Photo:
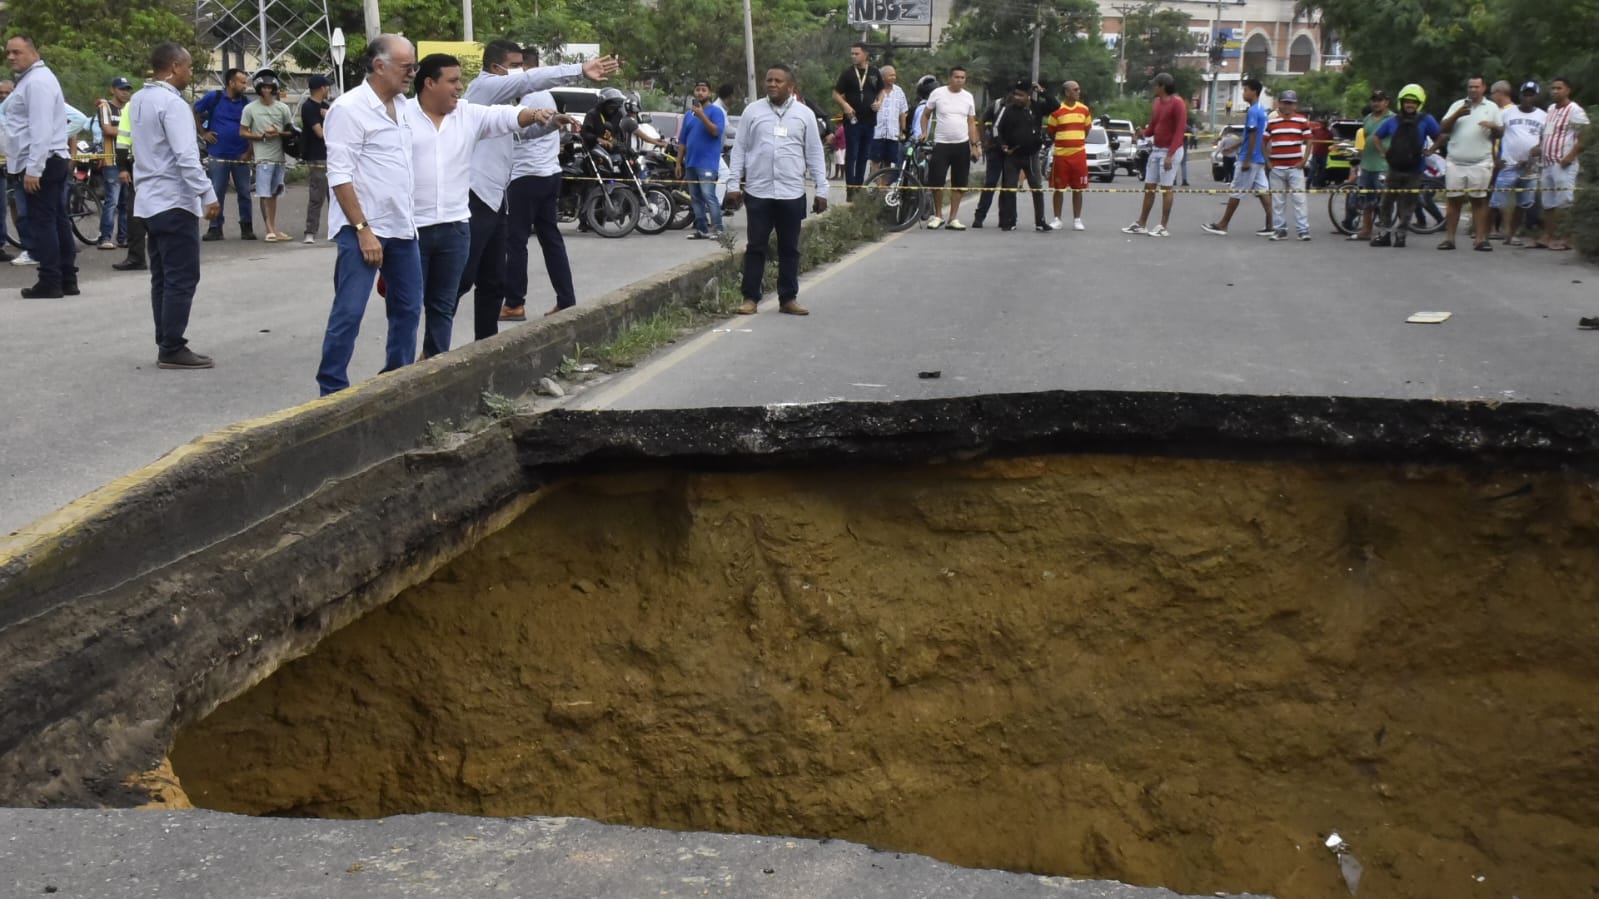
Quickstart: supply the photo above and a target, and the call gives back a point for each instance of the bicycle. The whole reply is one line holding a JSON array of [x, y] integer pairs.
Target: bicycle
[[83, 212], [902, 190], [1343, 207]]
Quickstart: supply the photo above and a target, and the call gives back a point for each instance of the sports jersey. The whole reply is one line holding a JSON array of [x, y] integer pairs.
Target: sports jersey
[[1069, 124]]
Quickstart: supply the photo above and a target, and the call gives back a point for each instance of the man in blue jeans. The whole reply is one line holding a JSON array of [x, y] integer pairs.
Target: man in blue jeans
[[217, 115], [700, 160], [368, 133], [856, 94]]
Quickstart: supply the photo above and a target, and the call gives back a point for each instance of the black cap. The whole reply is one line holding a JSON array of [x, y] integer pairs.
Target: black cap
[[1379, 94], [317, 81], [1022, 85]]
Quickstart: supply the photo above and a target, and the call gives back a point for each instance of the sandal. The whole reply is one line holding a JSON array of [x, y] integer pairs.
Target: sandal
[[1447, 245], [1484, 247], [1558, 246]]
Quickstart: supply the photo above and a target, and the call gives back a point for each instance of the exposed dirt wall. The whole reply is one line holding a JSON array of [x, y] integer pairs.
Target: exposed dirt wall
[[1161, 671]]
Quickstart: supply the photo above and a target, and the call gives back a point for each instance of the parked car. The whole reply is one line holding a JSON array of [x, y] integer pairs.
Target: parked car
[[1101, 161], [1126, 144], [1223, 156]]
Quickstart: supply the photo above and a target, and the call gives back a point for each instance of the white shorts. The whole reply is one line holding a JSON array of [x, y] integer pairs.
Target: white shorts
[[1463, 180], [1558, 184], [1248, 183], [268, 179], [1155, 172]]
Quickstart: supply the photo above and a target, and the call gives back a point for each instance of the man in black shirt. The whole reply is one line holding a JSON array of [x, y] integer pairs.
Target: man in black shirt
[[856, 94], [314, 151], [1019, 136]]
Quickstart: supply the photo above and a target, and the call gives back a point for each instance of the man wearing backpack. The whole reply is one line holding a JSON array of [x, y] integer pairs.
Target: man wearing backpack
[[217, 116], [1402, 141]]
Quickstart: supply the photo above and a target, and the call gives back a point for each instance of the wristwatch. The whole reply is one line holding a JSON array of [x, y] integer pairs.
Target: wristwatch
[[359, 227]]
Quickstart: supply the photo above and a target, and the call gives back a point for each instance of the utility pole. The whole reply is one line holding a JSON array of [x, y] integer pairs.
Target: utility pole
[[466, 20], [749, 52], [1121, 44], [1038, 35], [374, 22], [261, 23]]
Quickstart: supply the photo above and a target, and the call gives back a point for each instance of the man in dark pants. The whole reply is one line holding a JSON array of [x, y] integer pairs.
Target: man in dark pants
[[1019, 140], [856, 95], [993, 161], [174, 193], [36, 123], [778, 130], [534, 209], [314, 153], [502, 80], [134, 261]]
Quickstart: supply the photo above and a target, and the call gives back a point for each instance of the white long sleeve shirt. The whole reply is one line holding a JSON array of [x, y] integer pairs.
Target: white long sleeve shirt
[[167, 170], [36, 120], [537, 149], [442, 157], [491, 160], [372, 152], [776, 147]]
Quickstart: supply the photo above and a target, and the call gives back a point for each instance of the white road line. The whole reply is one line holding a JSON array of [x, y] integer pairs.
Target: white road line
[[609, 396]]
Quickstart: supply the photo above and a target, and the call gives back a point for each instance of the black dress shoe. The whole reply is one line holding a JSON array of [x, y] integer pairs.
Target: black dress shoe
[[1590, 322], [246, 234], [977, 223], [129, 265], [212, 234], [184, 358], [70, 290], [39, 292]]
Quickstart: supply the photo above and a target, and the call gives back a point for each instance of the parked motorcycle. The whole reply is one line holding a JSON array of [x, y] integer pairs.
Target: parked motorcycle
[[660, 165], [596, 190]]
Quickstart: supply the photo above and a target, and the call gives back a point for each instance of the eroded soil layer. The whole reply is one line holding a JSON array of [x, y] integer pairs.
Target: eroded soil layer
[[1167, 672]]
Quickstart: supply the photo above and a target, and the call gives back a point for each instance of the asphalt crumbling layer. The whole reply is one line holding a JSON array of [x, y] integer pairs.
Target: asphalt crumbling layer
[[1161, 671], [75, 854]]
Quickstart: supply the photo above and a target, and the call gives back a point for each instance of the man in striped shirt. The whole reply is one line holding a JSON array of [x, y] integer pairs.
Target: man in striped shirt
[[1069, 170], [1287, 151], [1560, 147]]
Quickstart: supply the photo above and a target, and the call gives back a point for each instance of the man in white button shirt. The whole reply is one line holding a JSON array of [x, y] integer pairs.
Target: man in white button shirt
[[174, 194], [368, 133], [444, 132], [777, 146], [503, 81], [533, 208]]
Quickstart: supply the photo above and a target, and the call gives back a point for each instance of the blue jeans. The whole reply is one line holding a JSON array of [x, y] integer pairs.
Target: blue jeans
[[113, 216], [20, 197], [243, 179], [702, 192], [174, 274], [443, 249], [857, 144], [352, 285]]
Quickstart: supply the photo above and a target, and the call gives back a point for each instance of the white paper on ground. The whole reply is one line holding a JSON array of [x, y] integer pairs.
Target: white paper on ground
[[1429, 318]]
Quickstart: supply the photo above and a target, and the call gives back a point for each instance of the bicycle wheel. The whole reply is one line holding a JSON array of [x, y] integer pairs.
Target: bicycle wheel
[[1429, 219], [83, 209], [1343, 207], [898, 195]]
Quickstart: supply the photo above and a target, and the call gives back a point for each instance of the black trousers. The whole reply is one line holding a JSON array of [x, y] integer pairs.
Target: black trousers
[[174, 274], [534, 209], [762, 217], [136, 229], [49, 229], [485, 268], [1398, 211], [993, 168], [1025, 165]]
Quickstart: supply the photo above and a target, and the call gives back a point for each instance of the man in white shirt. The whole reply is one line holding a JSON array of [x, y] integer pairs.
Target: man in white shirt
[[892, 111], [444, 132], [36, 120], [777, 146], [502, 80], [1516, 186], [1469, 129], [952, 114], [174, 194], [1559, 150], [372, 220]]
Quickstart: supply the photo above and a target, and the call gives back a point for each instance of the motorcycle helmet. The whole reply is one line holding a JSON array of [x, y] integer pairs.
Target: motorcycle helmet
[[1415, 92], [925, 86], [265, 78], [611, 100]]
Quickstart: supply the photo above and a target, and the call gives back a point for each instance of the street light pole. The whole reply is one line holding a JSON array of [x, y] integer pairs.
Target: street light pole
[[466, 20], [336, 48], [749, 52], [1121, 44], [374, 21]]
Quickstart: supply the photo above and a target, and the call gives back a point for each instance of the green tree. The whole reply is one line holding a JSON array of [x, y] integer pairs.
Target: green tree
[[1155, 38], [993, 39], [88, 42]]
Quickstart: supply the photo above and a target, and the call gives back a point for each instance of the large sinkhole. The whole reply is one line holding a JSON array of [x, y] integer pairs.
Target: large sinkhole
[[1175, 672]]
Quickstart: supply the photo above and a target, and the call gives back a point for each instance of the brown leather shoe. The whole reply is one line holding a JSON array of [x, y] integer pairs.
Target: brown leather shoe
[[792, 307], [513, 314], [746, 308]]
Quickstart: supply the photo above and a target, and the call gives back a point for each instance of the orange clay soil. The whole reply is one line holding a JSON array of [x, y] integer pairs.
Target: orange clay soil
[[1182, 673]]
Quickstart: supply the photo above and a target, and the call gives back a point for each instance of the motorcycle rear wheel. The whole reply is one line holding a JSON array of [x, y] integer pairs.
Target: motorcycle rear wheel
[[611, 214]]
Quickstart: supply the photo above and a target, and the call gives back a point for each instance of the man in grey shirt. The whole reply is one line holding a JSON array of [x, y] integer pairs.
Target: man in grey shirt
[[776, 147], [36, 119], [174, 194]]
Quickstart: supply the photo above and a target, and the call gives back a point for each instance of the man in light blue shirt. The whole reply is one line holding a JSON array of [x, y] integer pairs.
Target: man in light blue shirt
[[533, 209], [777, 146], [36, 131], [174, 194]]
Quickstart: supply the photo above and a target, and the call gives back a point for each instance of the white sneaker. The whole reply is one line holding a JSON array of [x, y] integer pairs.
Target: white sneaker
[[1077, 225], [1055, 225], [934, 223], [24, 259], [1159, 231], [1134, 228], [309, 238]]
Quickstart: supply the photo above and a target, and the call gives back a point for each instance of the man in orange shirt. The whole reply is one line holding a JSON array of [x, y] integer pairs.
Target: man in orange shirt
[[1069, 126]]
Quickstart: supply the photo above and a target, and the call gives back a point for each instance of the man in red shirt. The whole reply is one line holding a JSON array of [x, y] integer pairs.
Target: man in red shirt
[[1321, 141], [1168, 120]]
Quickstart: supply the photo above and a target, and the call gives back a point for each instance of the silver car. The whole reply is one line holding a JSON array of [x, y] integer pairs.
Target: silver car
[[1101, 161]]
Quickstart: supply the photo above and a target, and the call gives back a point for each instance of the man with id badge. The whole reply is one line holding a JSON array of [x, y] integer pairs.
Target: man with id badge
[[777, 147]]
